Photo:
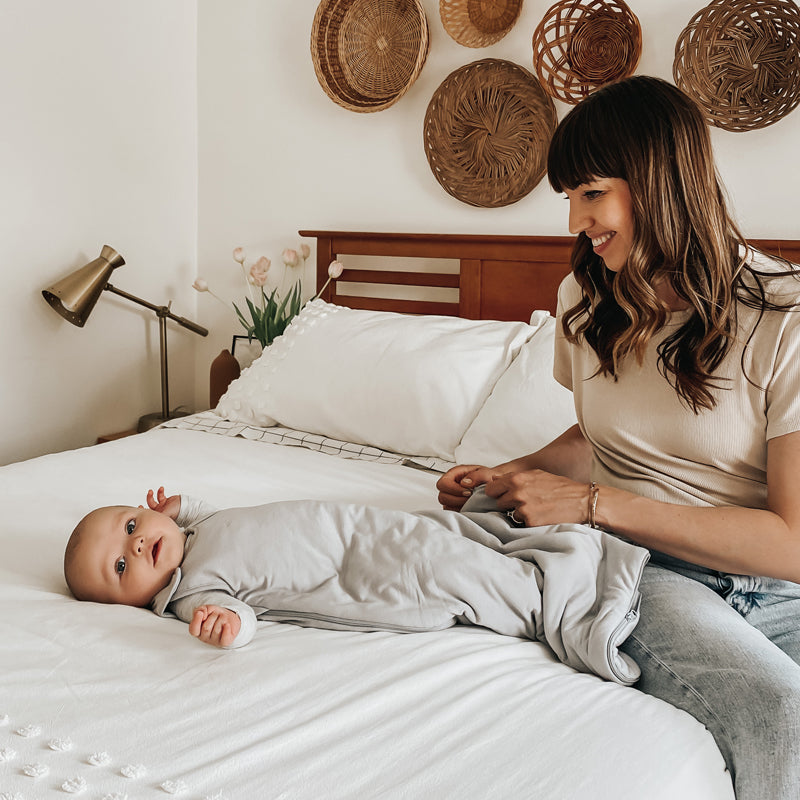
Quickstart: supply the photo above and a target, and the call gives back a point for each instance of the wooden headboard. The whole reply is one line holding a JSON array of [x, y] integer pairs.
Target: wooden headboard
[[498, 277], [494, 277]]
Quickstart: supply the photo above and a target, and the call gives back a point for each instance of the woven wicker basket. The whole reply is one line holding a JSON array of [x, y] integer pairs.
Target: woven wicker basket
[[740, 60], [486, 134], [478, 23], [368, 53], [582, 44]]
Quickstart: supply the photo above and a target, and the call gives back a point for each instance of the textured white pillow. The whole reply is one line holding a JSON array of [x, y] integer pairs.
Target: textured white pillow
[[527, 408], [411, 384]]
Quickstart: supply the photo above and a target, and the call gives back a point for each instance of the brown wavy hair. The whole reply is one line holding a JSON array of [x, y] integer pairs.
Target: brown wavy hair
[[647, 132]]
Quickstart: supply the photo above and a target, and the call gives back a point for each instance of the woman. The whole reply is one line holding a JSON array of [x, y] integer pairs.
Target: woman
[[682, 349]]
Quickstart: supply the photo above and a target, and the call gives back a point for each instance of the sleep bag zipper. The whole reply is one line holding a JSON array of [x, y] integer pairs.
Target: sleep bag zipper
[[625, 628], [346, 623]]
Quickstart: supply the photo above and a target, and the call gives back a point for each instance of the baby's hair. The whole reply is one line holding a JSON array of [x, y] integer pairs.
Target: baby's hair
[[71, 558]]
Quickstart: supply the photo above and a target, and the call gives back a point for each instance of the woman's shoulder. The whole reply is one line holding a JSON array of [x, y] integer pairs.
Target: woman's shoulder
[[569, 292], [779, 279]]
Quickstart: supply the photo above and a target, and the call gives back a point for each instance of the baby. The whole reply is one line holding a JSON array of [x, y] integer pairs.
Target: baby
[[347, 566]]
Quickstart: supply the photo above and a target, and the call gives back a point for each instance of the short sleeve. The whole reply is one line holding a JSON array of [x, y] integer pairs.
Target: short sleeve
[[783, 392], [568, 295]]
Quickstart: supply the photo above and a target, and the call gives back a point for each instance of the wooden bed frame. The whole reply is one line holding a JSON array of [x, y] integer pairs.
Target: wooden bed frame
[[499, 277]]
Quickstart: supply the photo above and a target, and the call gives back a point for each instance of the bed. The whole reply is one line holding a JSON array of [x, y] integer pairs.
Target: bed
[[365, 405]]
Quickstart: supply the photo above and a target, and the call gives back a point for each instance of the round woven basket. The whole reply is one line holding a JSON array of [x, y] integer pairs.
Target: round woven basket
[[367, 53], [581, 45], [478, 23], [486, 133], [740, 61]]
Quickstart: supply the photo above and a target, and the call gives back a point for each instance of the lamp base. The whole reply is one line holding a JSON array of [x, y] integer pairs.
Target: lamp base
[[153, 420]]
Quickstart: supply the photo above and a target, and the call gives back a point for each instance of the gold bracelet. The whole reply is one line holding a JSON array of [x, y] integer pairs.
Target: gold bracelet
[[594, 493]]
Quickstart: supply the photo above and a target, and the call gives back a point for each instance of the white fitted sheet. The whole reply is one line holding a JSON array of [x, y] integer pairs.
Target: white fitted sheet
[[114, 701]]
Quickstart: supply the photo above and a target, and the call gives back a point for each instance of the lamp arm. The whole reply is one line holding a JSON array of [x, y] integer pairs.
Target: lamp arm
[[161, 311]]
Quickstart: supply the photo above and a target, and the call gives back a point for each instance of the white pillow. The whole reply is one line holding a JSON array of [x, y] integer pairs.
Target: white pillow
[[410, 384], [527, 408]]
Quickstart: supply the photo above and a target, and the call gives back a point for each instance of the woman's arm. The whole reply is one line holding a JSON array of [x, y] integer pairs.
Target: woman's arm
[[569, 455], [729, 538]]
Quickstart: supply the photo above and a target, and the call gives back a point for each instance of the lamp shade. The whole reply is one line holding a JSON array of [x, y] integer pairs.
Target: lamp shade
[[75, 296]]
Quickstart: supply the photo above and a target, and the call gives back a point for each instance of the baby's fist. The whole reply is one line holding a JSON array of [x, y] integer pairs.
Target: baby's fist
[[215, 625]]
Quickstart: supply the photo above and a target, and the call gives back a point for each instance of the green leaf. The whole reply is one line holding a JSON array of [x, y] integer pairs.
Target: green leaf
[[245, 323], [282, 309], [296, 300], [255, 313]]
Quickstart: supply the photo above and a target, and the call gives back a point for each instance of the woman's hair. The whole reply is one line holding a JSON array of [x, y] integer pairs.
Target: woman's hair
[[650, 134]]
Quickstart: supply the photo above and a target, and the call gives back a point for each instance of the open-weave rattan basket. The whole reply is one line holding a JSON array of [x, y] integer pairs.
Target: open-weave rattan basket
[[486, 133], [368, 53], [740, 61], [582, 44], [478, 23]]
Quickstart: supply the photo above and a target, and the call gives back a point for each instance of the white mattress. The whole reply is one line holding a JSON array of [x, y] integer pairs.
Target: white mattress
[[114, 702]]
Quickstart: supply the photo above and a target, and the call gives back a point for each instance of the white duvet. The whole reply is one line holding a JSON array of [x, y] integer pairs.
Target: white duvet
[[114, 702]]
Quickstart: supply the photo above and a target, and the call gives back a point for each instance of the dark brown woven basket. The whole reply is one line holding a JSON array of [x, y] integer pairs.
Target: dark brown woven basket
[[740, 61], [486, 134], [478, 23], [368, 53], [581, 45]]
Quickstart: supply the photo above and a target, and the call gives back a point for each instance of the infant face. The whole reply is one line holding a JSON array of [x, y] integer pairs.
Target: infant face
[[127, 555]]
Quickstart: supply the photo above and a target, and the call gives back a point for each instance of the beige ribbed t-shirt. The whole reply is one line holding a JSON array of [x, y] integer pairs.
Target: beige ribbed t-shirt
[[647, 441]]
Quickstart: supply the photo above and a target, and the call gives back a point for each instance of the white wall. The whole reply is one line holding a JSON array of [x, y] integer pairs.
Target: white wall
[[97, 145], [277, 155]]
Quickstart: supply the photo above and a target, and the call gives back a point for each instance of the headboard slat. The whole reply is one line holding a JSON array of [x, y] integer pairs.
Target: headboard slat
[[446, 280], [500, 277]]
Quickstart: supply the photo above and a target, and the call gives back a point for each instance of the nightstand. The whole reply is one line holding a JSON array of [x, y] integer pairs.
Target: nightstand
[[110, 437]]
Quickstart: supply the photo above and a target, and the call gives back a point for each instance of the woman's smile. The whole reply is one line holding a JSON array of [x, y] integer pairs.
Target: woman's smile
[[599, 241]]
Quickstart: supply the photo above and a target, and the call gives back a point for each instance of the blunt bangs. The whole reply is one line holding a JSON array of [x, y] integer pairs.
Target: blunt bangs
[[586, 145]]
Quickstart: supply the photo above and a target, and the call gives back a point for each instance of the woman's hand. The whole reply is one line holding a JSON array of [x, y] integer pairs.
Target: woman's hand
[[215, 625], [540, 498], [165, 505], [457, 484]]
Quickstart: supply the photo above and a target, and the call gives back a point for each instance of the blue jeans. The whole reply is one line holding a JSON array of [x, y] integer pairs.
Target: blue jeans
[[726, 649]]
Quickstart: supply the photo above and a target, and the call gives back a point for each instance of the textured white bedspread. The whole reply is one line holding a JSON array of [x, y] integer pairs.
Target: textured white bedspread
[[116, 702]]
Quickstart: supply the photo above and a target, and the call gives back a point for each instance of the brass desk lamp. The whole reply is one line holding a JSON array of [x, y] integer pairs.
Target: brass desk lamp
[[75, 296]]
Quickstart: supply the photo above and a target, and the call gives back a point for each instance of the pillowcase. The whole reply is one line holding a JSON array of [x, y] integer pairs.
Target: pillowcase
[[527, 408], [410, 384]]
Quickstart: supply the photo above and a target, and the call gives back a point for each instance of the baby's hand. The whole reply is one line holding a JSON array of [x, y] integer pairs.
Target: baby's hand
[[170, 506], [215, 625]]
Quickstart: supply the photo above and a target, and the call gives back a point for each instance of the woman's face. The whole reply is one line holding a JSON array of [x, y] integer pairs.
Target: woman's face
[[602, 209]]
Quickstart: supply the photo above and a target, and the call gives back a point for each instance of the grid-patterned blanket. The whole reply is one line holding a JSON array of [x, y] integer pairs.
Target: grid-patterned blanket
[[211, 423]]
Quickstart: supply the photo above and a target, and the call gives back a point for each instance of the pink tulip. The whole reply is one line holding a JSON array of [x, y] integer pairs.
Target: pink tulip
[[238, 255], [305, 251], [335, 269], [290, 257], [259, 270], [200, 285]]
